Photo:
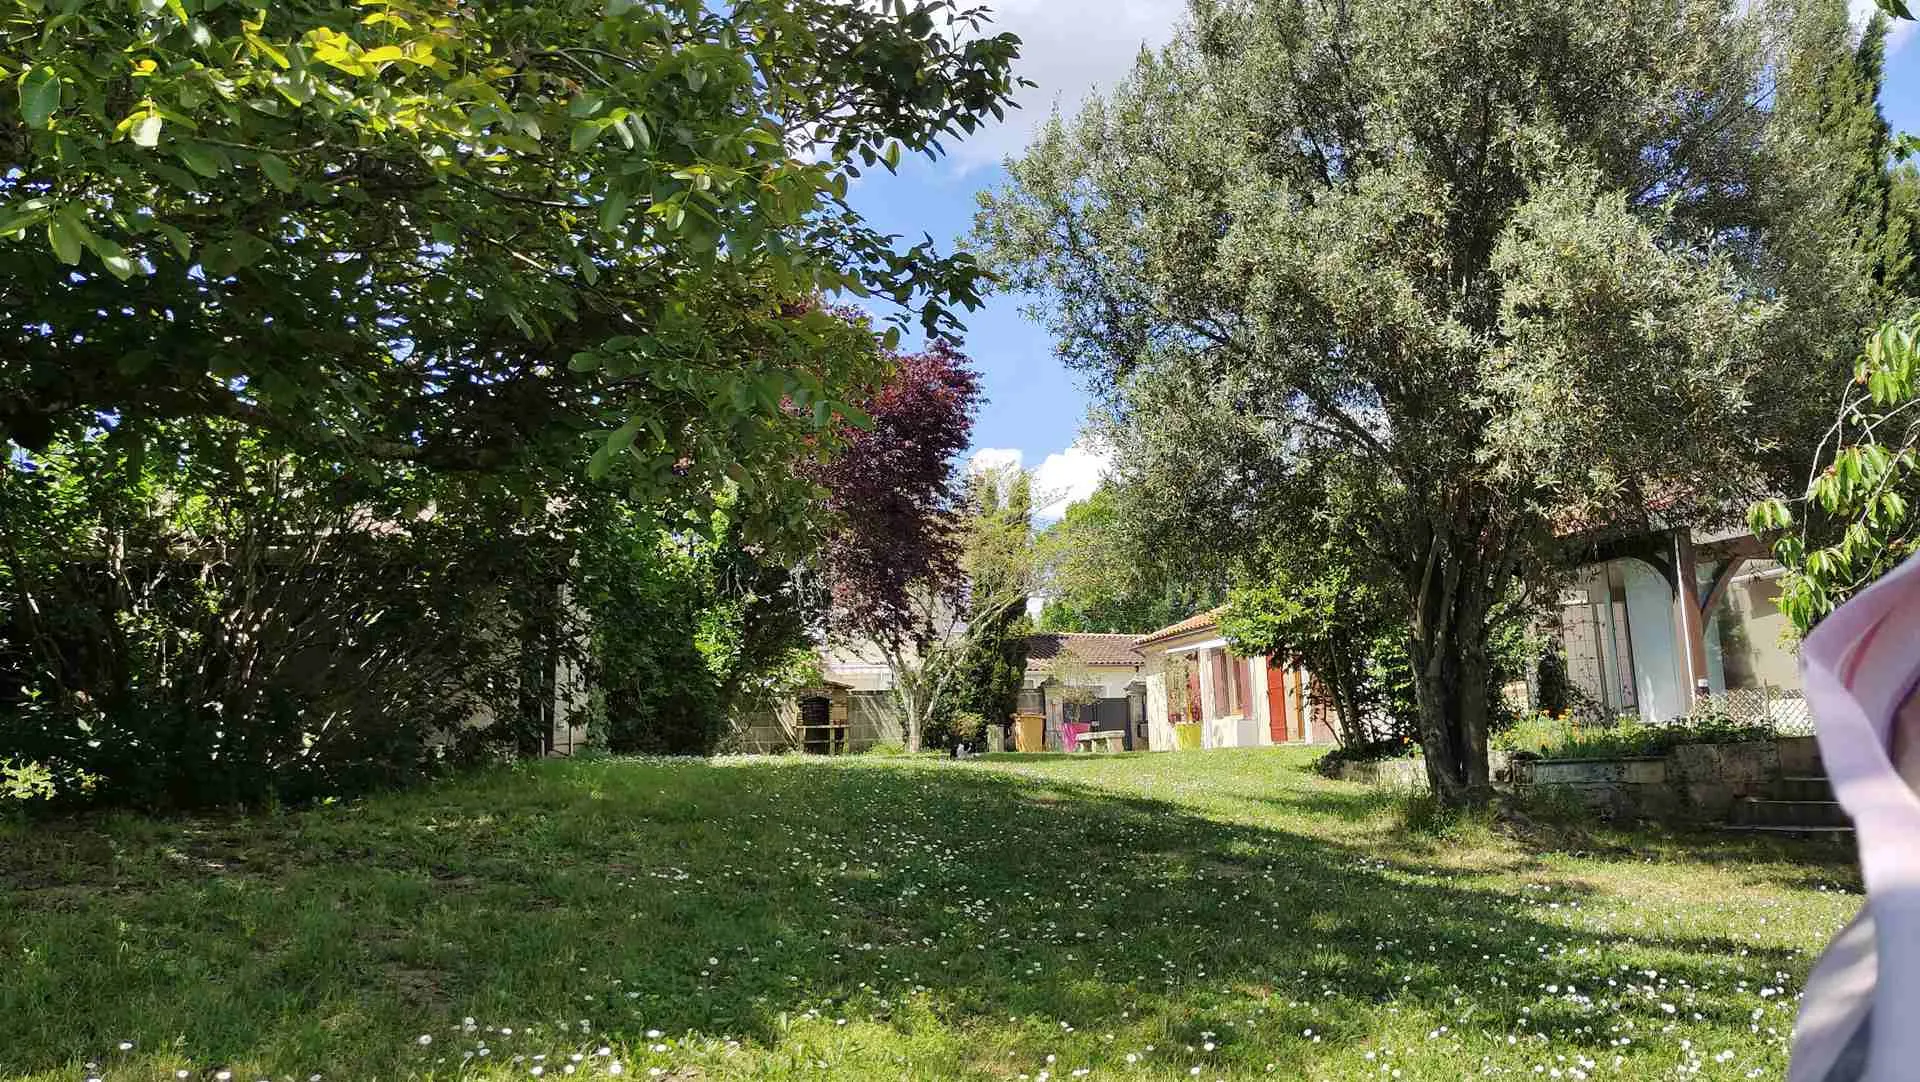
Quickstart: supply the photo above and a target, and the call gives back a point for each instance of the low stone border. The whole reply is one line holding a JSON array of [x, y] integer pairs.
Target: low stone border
[[1390, 773], [1694, 782], [1409, 773]]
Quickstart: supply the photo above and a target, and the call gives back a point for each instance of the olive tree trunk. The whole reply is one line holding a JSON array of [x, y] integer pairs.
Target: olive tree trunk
[[1463, 573]]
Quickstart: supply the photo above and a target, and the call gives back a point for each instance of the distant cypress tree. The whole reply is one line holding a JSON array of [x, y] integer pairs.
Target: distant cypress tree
[[1880, 200]]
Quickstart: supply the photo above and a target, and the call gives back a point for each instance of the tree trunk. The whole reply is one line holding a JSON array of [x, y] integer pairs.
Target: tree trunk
[[1451, 689], [1451, 597], [911, 693]]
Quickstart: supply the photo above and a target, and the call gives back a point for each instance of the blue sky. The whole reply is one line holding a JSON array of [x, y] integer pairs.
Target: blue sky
[[1070, 47]]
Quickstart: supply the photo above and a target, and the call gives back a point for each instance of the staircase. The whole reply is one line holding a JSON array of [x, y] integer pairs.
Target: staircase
[[1797, 804]]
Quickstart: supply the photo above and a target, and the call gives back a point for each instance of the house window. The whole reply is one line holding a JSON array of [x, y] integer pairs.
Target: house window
[[1232, 683]]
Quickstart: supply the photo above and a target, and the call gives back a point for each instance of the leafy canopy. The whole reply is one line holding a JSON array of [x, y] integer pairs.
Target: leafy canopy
[[892, 553], [471, 234], [1099, 575], [1855, 522]]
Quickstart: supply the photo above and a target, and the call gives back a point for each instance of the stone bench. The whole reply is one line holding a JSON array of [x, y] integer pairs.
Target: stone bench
[[1104, 740]]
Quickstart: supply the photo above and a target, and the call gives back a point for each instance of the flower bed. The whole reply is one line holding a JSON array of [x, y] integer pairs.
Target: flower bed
[[1560, 736]]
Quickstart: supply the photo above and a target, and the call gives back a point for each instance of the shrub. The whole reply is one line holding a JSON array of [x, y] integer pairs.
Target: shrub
[[196, 618], [957, 727], [23, 782]]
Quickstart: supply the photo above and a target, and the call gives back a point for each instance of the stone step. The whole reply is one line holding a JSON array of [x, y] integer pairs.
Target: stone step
[[1789, 813], [1800, 757], [1803, 788]]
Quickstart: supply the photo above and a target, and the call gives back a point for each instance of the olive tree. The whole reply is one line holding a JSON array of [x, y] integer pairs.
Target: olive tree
[[1514, 266]]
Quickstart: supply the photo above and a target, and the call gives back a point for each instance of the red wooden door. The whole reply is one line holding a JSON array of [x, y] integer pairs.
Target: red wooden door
[[1277, 701]]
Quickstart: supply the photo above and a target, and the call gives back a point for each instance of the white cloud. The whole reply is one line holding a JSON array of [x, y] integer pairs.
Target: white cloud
[[1067, 477], [1070, 48], [1899, 31], [995, 458], [1062, 479]]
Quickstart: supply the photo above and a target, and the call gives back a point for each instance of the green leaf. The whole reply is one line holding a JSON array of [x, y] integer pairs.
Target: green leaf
[[1897, 9], [111, 254], [179, 178], [617, 443], [584, 106], [624, 436], [64, 234], [584, 362], [585, 134], [146, 130], [277, 171], [119, 265], [39, 96], [15, 221], [613, 209], [178, 238], [266, 49], [200, 159], [854, 415]]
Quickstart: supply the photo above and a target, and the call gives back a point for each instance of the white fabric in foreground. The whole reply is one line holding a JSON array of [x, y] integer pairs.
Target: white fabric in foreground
[[1860, 1016]]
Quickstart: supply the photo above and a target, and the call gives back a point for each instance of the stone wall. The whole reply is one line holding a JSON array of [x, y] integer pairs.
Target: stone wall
[[1410, 773], [1389, 773], [1692, 783]]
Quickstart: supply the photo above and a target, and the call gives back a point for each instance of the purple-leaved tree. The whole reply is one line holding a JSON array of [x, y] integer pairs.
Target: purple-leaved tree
[[892, 557]]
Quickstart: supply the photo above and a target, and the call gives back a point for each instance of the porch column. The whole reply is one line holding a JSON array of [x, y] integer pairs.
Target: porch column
[[1297, 703], [1208, 708], [1692, 622]]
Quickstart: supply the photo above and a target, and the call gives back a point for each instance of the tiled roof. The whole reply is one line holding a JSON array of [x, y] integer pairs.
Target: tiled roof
[[1045, 649], [1191, 624]]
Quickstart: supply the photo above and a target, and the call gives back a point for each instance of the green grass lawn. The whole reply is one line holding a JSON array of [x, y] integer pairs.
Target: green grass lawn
[[1201, 914]]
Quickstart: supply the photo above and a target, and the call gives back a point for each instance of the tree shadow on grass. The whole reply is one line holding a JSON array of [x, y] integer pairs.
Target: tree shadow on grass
[[725, 900]]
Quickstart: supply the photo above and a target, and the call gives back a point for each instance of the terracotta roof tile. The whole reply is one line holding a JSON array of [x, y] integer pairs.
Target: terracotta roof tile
[[1201, 622], [1045, 649]]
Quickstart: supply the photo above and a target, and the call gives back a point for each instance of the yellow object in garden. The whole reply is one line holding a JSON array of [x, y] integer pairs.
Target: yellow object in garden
[[1186, 736], [1029, 732]]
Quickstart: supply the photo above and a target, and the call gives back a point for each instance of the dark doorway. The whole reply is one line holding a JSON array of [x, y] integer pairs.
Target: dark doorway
[[816, 725], [1110, 715]]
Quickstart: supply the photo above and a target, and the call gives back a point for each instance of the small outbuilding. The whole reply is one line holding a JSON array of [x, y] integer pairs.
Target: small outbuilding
[[1200, 694]]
